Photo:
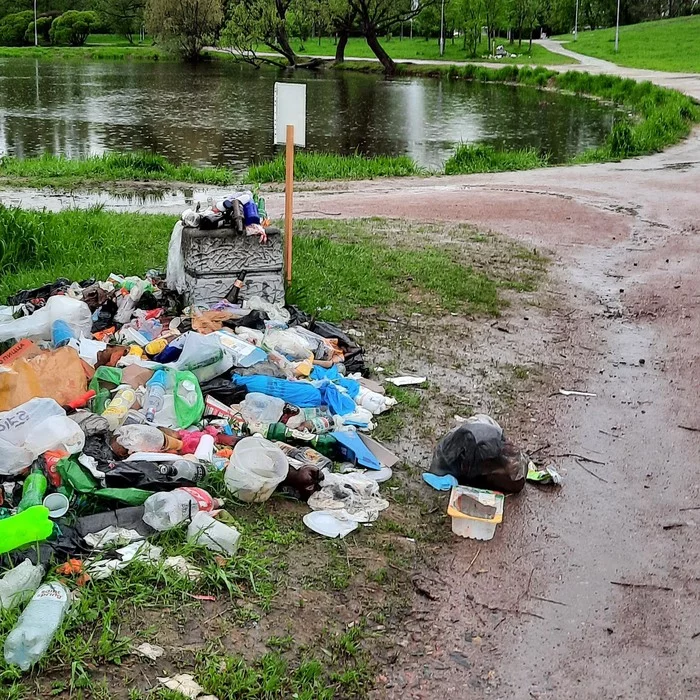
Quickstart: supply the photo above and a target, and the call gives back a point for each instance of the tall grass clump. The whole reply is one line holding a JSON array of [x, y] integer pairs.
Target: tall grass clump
[[23, 240], [330, 166], [109, 167], [481, 158]]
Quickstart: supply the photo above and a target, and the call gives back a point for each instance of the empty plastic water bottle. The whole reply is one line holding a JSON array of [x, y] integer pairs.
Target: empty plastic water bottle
[[163, 511], [119, 406], [37, 625], [155, 394], [18, 584]]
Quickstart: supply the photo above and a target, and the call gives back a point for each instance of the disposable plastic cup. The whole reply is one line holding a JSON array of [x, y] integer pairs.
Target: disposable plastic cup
[[57, 504]]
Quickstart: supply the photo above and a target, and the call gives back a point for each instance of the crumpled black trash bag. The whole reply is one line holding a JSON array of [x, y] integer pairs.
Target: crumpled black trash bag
[[478, 454], [297, 316], [147, 302], [128, 518], [255, 320], [354, 354], [105, 316], [141, 475], [223, 390], [40, 293]]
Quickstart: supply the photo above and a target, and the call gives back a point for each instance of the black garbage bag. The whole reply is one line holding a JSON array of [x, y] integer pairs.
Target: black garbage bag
[[127, 518], [224, 390], [142, 475], [297, 316], [478, 454], [147, 302], [98, 447], [354, 354], [105, 316], [39, 295], [255, 320]]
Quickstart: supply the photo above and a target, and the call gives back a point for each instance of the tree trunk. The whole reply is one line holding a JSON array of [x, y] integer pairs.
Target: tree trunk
[[380, 53], [285, 47], [530, 47], [340, 46]]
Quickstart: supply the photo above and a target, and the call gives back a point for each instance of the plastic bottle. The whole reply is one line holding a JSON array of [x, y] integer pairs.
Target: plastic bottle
[[140, 438], [205, 448], [318, 425], [37, 625], [155, 394], [31, 525], [119, 406], [33, 491], [61, 333], [184, 469], [213, 534], [163, 511], [306, 414], [187, 391], [18, 584]]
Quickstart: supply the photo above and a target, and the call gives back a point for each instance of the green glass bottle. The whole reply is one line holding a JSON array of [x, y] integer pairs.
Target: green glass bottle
[[325, 444], [33, 491]]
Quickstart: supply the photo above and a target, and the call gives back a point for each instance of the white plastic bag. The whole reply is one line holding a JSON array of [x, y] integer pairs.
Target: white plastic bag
[[261, 409], [288, 343], [255, 469], [175, 271], [17, 428], [75, 313]]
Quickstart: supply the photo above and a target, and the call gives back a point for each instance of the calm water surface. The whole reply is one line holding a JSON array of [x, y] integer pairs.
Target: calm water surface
[[221, 113]]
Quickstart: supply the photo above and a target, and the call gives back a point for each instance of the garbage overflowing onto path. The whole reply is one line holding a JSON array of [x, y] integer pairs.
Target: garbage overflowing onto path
[[119, 398]]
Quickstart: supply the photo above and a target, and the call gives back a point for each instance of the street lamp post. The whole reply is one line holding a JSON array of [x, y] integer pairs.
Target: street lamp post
[[442, 27], [576, 23], [36, 34], [617, 28]]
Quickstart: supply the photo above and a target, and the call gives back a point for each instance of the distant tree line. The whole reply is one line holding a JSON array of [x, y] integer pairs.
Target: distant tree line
[[260, 31]]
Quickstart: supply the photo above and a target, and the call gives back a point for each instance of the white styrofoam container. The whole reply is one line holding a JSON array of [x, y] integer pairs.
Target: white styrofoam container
[[464, 503]]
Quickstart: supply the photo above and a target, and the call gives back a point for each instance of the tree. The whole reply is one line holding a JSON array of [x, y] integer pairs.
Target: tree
[[13, 28], [518, 11], [73, 27], [468, 17], [378, 17], [188, 24], [493, 17], [125, 17], [342, 20]]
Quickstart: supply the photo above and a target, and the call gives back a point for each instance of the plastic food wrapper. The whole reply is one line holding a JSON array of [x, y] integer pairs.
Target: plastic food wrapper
[[477, 454], [543, 475], [352, 493], [59, 374]]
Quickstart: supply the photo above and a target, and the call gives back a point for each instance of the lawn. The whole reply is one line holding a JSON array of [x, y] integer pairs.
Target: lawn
[[670, 44], [105, 47], [419, 48]]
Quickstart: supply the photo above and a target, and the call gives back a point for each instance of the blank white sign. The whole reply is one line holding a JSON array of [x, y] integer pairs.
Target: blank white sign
[[290, 108]]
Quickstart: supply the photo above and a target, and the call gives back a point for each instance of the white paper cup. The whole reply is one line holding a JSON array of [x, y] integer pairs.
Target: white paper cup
[[57, 504]]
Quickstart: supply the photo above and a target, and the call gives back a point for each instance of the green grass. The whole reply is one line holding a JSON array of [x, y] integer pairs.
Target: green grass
[[469, 158], [58, 171], [330, 166], [669, 44], [419, 48], [104, 52]]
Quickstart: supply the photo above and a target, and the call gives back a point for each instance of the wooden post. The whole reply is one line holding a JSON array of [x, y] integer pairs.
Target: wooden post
[[289, 204]]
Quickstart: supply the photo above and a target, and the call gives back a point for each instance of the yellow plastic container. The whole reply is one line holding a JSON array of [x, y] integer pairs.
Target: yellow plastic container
[[475, 512]]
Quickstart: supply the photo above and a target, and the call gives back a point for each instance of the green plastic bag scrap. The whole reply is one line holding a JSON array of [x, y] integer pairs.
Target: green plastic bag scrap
[[544, 475], [73, 475], [111, 376], [130, 496], [188, 400]]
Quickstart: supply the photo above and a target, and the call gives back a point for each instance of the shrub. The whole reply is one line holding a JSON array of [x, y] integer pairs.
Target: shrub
[[73, 27], [43, 27], [13, 28]]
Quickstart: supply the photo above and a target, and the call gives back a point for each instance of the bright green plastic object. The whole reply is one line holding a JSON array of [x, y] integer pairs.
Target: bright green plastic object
[[29, 526]]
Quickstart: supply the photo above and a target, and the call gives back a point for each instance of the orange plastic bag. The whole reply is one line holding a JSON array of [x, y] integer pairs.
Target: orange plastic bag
[[57, 374]]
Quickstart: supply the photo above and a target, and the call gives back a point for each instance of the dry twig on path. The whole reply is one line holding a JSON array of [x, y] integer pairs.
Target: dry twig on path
[[641, 585]]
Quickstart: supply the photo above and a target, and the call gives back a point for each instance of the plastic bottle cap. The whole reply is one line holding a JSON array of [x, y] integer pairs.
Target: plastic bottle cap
[[58, 505], [188, 385]]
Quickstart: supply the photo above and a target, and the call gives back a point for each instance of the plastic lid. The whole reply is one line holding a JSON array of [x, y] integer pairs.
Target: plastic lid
[[325, 522]]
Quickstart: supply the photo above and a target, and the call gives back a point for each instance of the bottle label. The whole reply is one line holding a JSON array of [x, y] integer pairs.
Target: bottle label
[[204, 500]]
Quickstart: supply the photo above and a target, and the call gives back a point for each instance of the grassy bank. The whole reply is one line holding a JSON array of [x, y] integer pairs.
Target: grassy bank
[[87, 53], [487, 159], [57, 171], [330, 166], [335, 276], [669, 44], [419, 48]]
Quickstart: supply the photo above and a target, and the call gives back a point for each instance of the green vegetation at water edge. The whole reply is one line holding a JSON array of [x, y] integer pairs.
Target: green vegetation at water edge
[[58, 171], [331, 166], [419, 48], [669, 44], [480, 158], [657, 117]]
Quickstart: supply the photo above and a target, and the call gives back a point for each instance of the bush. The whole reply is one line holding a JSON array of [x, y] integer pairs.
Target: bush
[[73, 27], [43, 27], [14, 27]]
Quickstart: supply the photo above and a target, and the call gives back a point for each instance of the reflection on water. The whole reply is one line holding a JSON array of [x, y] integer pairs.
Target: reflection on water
[[220, 113]]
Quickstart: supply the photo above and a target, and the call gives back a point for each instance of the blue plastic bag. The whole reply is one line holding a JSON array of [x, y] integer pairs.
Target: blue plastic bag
[[299, 393]]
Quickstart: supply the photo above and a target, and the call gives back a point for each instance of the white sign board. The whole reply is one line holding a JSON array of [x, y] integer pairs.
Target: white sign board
[[290, 108]]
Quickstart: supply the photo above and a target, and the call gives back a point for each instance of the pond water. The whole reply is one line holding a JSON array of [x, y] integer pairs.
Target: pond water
[[220, 113]]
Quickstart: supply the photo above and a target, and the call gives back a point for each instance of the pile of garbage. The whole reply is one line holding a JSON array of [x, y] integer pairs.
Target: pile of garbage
[[117, 405]]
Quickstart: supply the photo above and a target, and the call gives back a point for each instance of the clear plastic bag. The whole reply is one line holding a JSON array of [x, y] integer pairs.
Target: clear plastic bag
[[288, 343], [74, 313], [175, 272]]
